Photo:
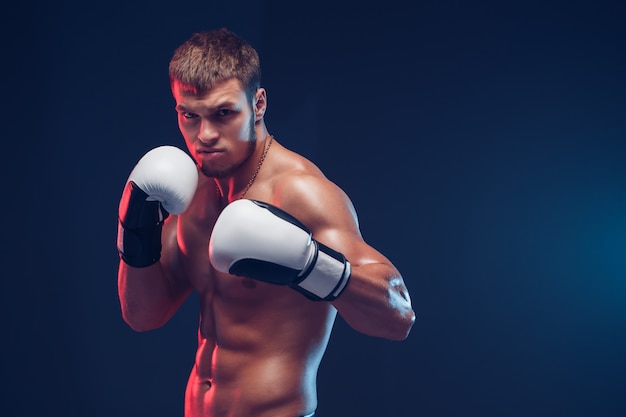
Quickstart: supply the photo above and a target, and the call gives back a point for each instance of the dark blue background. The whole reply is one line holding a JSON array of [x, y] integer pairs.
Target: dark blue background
[[483, 144]]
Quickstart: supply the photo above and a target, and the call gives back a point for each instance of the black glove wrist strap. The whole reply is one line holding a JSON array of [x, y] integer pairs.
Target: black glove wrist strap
[[139, 228]]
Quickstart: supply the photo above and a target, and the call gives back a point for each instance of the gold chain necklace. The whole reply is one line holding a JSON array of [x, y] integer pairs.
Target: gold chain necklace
[[256, 172]]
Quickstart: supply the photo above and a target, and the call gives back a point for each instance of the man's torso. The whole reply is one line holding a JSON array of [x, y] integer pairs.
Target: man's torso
[[260, 345]]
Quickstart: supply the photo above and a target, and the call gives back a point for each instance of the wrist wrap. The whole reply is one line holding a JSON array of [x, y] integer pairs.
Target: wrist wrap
[[327, 275]]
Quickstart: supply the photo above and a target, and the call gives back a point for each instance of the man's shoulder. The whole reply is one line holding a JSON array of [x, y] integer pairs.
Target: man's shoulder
[[291, 163], [299, 180], [292, 172]]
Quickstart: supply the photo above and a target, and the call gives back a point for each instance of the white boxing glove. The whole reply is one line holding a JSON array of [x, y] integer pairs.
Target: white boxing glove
[[261, 241], [163, 181]]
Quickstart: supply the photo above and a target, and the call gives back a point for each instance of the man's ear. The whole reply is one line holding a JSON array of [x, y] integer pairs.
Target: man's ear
[[260, 104]]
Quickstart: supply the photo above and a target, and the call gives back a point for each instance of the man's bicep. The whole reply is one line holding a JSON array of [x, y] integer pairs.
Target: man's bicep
[[333, 221]]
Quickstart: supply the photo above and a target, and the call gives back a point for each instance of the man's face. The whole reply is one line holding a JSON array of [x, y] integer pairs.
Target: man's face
[[218, 126]]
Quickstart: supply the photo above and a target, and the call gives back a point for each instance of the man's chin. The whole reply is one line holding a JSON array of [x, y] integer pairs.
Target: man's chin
[[214, 174]]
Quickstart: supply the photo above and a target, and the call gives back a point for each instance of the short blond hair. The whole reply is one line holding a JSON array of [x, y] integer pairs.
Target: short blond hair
[[212, 56]]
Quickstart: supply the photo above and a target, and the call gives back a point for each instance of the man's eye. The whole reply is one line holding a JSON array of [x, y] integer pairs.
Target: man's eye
[[224, 112], [188, 115]]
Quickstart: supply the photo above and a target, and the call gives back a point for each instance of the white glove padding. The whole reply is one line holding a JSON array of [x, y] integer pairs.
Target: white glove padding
[[261, 241], [163, 181], [168, 175]]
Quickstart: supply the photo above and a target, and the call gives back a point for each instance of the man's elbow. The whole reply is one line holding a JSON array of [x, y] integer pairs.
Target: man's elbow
[[403, 313], [395, 328], [402, 328], [141, 322], [139, 327]]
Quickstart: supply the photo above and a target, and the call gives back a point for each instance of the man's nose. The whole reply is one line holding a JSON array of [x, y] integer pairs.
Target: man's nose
[[207, 132]]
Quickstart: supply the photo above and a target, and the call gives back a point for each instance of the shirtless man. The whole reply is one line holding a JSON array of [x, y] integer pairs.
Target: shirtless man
[[270, 284]]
